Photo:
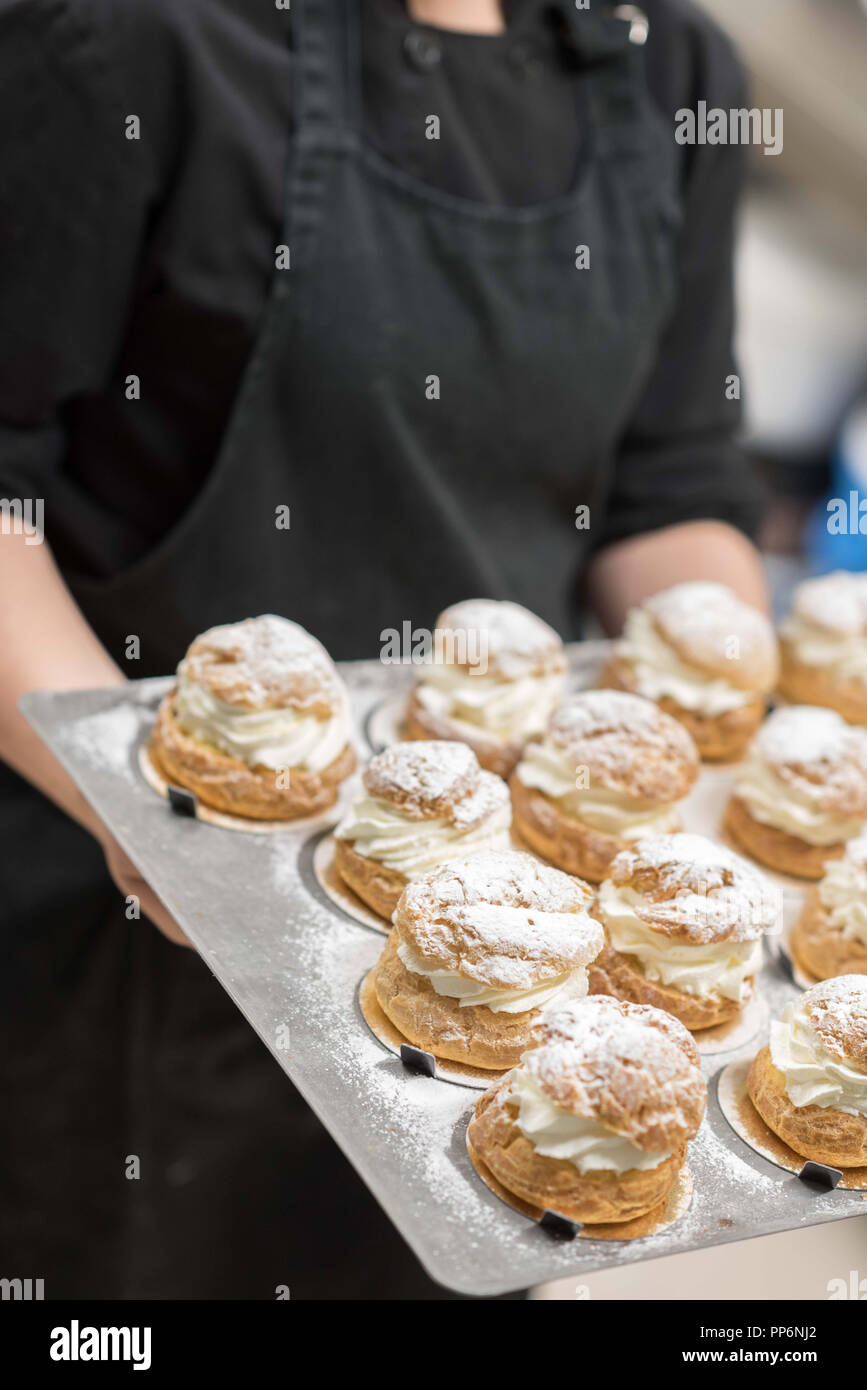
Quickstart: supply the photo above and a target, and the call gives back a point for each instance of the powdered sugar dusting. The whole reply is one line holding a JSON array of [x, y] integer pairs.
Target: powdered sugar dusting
[[630, 1066], [837, 1009], [508, 947], [723, 1166], [835, 602], [515, 640], [435, 778], [819, 754], [507, 876], [693, 610], [625, 742], [486, 798], [502, 918], [106, 740], [803, 734], [263, 662], [718, 628], [693, 887]]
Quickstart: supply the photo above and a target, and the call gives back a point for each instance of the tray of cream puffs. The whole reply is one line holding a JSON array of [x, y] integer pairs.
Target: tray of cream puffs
[[566, 946]]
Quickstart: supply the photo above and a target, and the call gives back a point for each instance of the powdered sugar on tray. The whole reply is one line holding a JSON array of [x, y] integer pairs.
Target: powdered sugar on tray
[[106, 740], [722, 1166]]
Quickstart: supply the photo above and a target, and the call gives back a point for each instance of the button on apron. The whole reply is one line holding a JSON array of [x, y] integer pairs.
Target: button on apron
[[422, 50]]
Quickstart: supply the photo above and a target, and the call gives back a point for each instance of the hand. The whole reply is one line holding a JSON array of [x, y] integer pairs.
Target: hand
[[67, 656], [623, 574], [131, 884]]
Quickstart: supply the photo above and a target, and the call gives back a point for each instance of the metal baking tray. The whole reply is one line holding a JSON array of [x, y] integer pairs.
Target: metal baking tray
[[291, 961]]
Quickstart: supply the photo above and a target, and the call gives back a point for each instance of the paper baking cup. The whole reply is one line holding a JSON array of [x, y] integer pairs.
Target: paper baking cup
[[676, 1205], [781, 946], [703, 813], [386, 723], [155, 779], [382, 1028], [750, 1023], [342, 896], [748, 1125], [339, 893]]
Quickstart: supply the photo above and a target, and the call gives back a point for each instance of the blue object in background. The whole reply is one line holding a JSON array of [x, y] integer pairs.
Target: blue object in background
[[847, 550]]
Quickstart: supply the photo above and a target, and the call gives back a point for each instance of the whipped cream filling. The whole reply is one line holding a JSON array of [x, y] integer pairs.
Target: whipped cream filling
[[272, 738], [813, 1076], [612, 812], [509, 709], [450, 983], [659, 671], [774, 802], [842, 655], [556, 1133], [718, 969], [412, 847], [843, 894]]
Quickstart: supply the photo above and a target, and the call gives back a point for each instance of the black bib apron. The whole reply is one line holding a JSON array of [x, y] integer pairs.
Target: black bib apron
[[436, 387]]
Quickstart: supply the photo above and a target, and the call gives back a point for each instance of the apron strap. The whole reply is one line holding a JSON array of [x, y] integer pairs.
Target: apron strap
[[328, 105], [605, 30], [609, 41]]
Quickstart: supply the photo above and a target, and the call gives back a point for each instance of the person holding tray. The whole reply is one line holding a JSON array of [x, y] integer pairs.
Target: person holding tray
[[344, 313]]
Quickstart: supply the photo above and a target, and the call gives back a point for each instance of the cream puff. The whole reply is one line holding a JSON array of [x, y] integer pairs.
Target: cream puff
[[609, 768], [810, 1084], [496, 673], [594, 1123], [830, 936], [803, 791], [423, 804], [258, 723], [823, 645], [705, 657], [481, 949], [684, 920]]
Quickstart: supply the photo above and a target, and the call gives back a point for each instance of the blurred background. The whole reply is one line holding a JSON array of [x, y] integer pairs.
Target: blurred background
[[802, 274]]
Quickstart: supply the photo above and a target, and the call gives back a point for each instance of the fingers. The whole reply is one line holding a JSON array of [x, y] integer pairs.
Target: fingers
[[163, 920], [130, 882]]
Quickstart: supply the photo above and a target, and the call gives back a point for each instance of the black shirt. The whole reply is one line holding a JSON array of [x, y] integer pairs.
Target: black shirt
[[133, 272]]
